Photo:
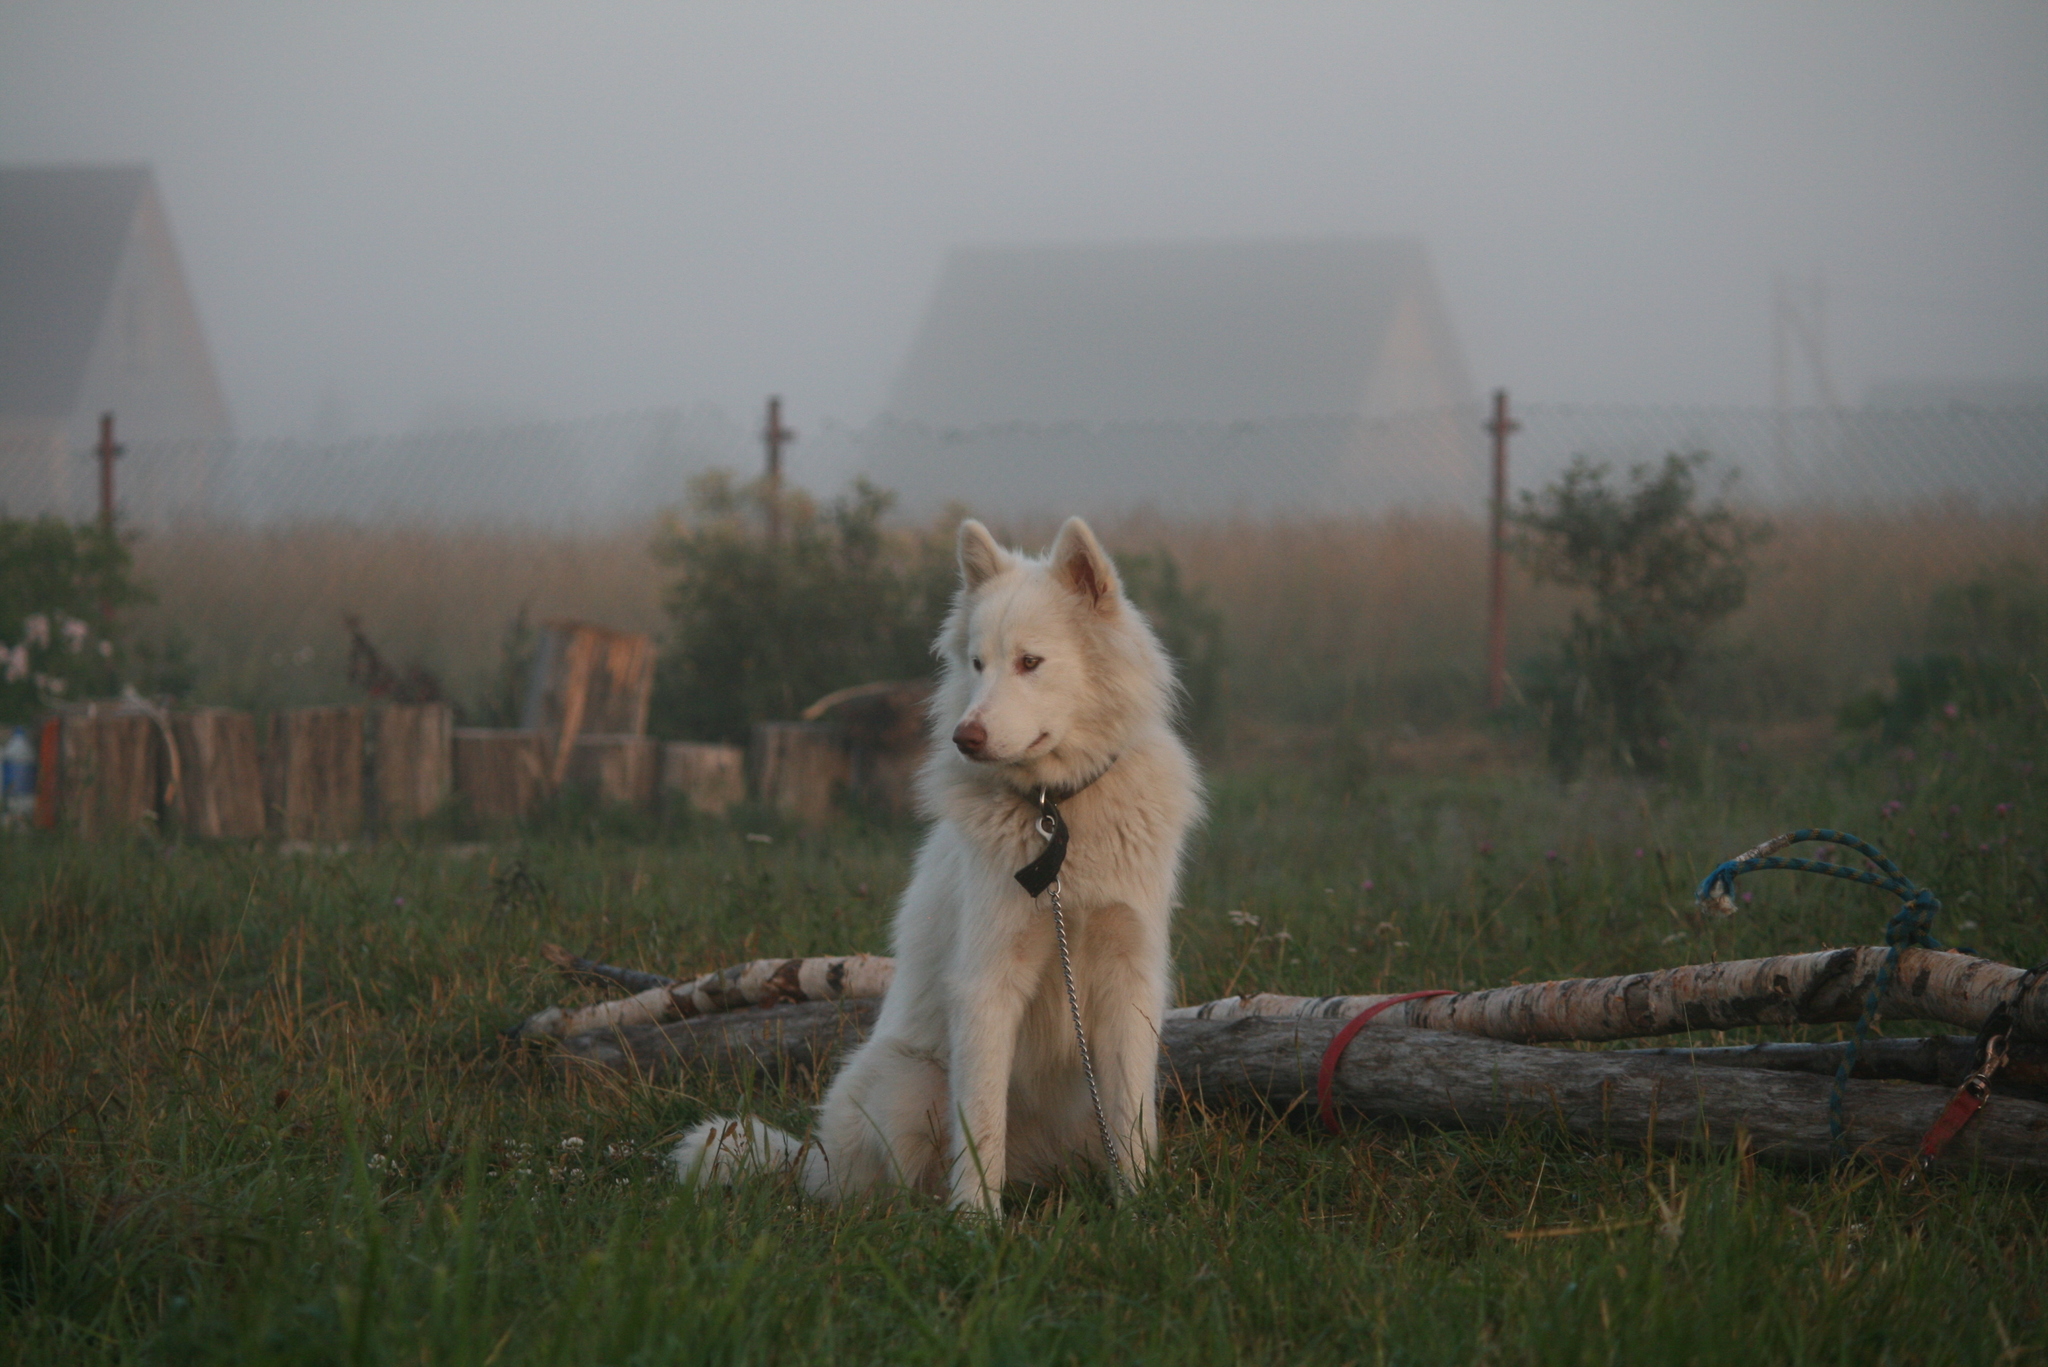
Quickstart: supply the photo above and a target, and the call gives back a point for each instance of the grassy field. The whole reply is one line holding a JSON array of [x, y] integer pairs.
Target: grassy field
[[257, 1110]]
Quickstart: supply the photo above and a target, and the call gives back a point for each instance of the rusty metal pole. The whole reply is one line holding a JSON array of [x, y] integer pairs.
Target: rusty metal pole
[[1497, 606], [109, 452], [774, 437]]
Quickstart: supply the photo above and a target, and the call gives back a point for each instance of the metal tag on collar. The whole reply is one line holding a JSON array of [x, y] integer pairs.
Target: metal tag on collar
[[1039, 874]]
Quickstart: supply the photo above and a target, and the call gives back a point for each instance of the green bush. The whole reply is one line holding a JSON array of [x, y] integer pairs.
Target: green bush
[[759, 631], [1990, 656], [59, 588], [1661, 569]]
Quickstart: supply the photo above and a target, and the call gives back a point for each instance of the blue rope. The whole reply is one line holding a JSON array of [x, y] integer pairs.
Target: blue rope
[[1911, 925]]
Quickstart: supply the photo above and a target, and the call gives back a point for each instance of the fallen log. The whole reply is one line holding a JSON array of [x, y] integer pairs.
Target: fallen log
[[1788, 989], [1433, 1078], [760, 982], [1668, 1099]]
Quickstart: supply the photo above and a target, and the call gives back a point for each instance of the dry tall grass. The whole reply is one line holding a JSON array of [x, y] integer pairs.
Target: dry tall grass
[[1374, 619], [262, 607]]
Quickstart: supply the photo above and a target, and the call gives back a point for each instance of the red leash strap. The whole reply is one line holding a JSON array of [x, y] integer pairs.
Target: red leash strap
[[1968, 1100], [1326, 1076]]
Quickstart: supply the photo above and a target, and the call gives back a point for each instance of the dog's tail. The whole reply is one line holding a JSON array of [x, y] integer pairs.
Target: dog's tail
[[721, 1151]]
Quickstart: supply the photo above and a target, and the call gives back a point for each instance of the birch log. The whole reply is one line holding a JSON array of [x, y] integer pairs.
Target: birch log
[[1789, 989], [1630, 1098], [761, 982]]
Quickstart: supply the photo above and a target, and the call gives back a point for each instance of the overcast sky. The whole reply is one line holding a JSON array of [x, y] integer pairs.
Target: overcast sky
[[414, 213]]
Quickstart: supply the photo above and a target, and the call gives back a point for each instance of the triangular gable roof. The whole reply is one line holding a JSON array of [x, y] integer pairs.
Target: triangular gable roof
[[1189, 331], [62, 231]]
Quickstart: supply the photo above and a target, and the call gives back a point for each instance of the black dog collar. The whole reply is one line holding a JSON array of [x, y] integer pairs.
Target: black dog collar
[[1039, 874]]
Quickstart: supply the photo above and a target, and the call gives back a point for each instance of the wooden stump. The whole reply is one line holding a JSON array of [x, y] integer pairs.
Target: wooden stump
[[882, 726], [706, 778], [220, 774], [800, 768], [111, 770], [414, 760], [617, 770], [503, 775], [314, 773]]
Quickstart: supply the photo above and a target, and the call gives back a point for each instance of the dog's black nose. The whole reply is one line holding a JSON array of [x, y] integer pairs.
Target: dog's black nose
[[971, 737]]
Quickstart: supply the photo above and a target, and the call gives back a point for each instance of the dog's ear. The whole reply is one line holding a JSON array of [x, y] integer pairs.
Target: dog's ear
[[981, 559], [1079, 562]]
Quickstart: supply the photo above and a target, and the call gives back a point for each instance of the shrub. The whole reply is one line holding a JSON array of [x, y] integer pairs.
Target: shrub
[[1990, 639], [760, 631], [1661, 569], [59, 588]]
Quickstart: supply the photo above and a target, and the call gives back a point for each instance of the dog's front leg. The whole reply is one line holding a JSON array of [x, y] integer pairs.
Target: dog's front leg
[[988, 1009], [1124, 998]]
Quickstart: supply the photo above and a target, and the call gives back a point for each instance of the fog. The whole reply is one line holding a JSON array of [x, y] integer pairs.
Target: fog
[[397, 215]]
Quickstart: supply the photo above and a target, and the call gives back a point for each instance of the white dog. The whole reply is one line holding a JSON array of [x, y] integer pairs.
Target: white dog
[[1050, 683]]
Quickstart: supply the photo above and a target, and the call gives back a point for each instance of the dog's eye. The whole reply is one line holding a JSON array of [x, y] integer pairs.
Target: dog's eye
[[1027, 663], [976, 662]]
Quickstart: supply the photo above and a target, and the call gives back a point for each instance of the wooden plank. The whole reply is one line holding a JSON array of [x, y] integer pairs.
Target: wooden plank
[[313, 773], [501, 774], [704, 777], [413, 756], [111, 770], [800, 769], [619, 771], [220, 774], [587, 679]]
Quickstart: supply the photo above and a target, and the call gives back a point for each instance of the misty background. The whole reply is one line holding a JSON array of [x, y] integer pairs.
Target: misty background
[[397, 217], [486, 287]]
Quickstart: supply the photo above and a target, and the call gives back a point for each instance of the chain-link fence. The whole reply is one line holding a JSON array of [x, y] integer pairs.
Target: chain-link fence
[[604, 471]]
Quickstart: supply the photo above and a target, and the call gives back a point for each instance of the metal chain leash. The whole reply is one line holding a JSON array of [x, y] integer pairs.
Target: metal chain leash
[[1041, 877], [1059, 925]]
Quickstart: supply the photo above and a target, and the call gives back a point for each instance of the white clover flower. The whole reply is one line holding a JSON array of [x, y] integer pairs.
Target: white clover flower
[[37, 628], [17, 664], [74, 634]]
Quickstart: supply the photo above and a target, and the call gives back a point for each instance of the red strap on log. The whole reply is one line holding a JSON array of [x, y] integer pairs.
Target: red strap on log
[[1968, 1100], [1326, 1075]]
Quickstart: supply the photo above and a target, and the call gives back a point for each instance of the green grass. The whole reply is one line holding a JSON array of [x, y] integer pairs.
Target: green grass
[[255, 1109]]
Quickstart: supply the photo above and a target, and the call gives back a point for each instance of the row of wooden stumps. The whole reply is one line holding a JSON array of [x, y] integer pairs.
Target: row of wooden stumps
[[1471, 1061], [331, 773]]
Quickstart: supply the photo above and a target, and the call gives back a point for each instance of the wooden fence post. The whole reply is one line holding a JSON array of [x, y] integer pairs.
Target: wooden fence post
[[413, 760], [617, 770], [314, 772], [706, 778], [502, 775], [220, 774], [111, 772], [800, 768]]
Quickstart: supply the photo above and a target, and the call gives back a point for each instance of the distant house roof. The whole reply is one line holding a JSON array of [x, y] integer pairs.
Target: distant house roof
[[62, 233], [1180, 331], [1182, 376], [96, 318]]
